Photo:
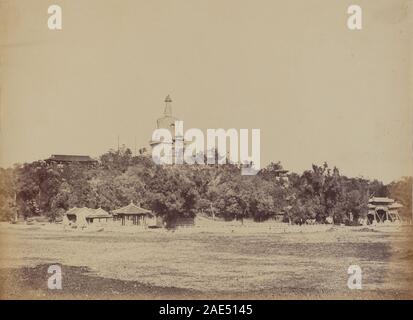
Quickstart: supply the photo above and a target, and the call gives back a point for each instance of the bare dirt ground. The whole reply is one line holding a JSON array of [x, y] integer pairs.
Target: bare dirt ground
[[193, 263]]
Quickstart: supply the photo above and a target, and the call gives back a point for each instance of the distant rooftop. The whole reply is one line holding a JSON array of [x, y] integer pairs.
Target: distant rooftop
[[70, 158], [88, 212]]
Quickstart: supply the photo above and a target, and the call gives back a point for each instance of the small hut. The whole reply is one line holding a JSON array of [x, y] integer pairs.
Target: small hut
[[98, 215], [134, 215], [81, 217]]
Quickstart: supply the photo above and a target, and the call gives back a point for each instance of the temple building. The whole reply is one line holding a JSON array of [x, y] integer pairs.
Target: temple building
[[67, 159], [382, 210]]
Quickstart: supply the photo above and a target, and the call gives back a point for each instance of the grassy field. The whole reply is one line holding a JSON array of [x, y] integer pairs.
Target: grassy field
[[241, 262]]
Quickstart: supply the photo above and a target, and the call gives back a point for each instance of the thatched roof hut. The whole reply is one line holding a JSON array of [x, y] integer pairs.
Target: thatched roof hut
[[83, 216], [98, 213]]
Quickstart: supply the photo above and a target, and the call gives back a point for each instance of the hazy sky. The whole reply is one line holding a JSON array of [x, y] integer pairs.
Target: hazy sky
[[318, 91]]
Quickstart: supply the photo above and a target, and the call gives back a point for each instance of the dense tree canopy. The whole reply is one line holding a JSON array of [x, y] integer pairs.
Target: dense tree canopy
[[39, 188], [402, 192]]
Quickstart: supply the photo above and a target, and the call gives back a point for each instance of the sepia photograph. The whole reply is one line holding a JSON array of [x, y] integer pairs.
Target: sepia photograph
[[206, 150]]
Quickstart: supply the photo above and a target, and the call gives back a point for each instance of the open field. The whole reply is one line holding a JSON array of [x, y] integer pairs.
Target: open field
[[241, 262]]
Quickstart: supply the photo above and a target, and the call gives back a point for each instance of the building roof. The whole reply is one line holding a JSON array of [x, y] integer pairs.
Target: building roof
[[73, 211], [82, 214], [395, 205], [132, 209], [381, 200], [98, 213], [88, 212], [70, 158]]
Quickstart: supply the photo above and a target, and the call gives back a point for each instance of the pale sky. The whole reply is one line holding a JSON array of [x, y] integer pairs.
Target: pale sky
[[318, 91]]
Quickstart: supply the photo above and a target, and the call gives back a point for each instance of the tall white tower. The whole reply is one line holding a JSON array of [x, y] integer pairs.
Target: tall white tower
[[167, 121]]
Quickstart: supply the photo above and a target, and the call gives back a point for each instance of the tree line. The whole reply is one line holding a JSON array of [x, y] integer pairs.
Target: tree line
[[318, 194]]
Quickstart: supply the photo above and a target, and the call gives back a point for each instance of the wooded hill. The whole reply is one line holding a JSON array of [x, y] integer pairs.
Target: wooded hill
[[49, 189]]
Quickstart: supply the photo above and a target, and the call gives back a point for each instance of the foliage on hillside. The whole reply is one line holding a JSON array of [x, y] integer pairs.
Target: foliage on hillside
[[39, 188]]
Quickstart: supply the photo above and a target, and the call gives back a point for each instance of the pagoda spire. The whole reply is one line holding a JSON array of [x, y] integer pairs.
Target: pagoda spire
[[168, 106]]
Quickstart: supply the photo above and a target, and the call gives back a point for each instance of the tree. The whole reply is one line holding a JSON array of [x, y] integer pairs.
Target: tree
[[39, 188], [401, 191], [7, 195], [171, 194]]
